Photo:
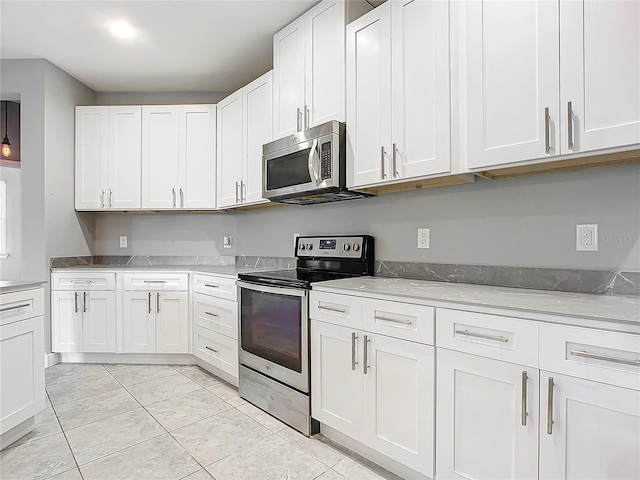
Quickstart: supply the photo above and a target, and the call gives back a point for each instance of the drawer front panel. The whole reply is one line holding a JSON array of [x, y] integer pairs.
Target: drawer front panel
[[16, 306], [400, 320], [342, 310], [156, 281], [222, 287], [81, 281], [608, 357], [216, 314], [492, 336], [216, 349]]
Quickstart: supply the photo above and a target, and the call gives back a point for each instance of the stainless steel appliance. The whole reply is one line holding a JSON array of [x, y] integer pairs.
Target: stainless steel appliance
[[307, 167], [274, 324]]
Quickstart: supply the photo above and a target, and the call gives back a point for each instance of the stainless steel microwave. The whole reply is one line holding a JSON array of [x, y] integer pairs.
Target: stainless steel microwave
[[307, 167]]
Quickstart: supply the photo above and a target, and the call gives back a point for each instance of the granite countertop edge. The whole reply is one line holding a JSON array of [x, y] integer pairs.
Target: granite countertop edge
[[223, 270]]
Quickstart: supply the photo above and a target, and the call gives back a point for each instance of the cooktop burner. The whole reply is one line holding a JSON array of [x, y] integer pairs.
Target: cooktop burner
[[298, 278]]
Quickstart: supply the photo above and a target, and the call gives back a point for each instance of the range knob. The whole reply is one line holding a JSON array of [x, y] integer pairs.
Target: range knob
[[301, 246], [356, 247], [309, 246], [346, 247]]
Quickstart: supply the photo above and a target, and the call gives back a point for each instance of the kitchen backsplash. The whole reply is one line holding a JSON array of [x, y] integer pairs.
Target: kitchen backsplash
[[556, 279]]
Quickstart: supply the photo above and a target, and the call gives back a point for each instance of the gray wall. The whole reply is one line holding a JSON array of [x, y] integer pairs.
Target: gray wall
[[516, 222], [11, 267]]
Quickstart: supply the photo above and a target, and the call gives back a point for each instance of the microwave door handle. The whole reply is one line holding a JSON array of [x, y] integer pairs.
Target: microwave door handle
[[312, 170]]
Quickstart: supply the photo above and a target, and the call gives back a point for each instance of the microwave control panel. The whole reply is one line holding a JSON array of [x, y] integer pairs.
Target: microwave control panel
[[338, 247], [325, 161]]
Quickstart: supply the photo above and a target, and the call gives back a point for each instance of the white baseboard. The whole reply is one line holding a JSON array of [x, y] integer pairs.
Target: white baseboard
[[139, 358], [51, 359], [17, 432]]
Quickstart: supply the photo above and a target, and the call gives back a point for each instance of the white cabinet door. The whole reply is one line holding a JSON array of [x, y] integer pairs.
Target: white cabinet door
[[420, 88], [258, 127], [160, 156], [599, 74], [91, 151], [66, 321], [480, 431], [21, 371], [512, 64], [229, 149], [172, 322], [288, 79], [369, 98], [592, 430], [324, 63], [399, 400], [197, 138], [336, 377], [139, 322], [99, 322], [125, 159]]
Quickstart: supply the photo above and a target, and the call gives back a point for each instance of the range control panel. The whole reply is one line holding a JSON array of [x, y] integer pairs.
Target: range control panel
[[340, 247]]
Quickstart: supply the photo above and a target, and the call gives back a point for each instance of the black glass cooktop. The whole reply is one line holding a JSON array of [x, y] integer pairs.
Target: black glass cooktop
[[298, 278]]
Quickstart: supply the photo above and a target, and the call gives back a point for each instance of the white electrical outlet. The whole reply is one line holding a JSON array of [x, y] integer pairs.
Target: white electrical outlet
[[226, 243], [423, 238], [587, 238], [123, 241]]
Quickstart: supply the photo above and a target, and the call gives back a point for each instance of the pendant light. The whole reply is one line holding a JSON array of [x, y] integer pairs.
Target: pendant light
[[6, 146]]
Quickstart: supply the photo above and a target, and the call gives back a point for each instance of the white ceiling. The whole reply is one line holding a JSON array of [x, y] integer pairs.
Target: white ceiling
[[180, 46]]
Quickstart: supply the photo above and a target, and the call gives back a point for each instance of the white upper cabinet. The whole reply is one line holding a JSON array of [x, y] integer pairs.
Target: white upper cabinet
[[178, 157], [539, 79], [512, 64], [108, 158], [398, 108], [308, 66], [599, 74], [244, 126]]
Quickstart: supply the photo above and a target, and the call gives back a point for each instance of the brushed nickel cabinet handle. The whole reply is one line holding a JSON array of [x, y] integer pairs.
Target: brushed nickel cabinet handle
[[550, 406], [306, 117], [570, 124], [243, 192], [394, 320], [173, 194], [604, 358], [181, 198], [102, 198], [212, 314], [157, 302], [23, 305], [366, 353], [354, 337], [298, 120], [547, 133], [395, 153], [75, 301], [524, 398], [84, 302], [212, 349], [332, 309], [237, 201], [211, 286], [110, 198], [149, 302], [495, 338], [384, 175]]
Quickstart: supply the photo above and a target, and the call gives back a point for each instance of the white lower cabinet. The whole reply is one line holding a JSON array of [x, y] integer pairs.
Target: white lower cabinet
[[375, 389], [487, 418], [588, 430], [216, 349], [155, 322]]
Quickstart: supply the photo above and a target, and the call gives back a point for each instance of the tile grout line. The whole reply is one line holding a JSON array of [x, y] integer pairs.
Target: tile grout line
[[75, 460]]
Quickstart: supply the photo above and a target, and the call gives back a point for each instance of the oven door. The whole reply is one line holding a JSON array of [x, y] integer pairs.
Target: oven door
[[299, 168], [274, 333]]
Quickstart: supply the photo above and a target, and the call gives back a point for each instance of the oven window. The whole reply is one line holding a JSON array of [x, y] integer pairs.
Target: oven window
[[292, 169], [270, 326]]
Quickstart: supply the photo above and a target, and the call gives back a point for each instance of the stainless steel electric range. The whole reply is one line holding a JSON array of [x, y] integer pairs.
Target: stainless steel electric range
[[274, 324]]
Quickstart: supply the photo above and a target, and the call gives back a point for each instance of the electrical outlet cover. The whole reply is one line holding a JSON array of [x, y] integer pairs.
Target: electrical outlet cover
[[423, 238], [587, 237], [123, 241]]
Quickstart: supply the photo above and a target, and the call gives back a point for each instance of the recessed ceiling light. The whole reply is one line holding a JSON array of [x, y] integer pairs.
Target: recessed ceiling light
[[122, 29]]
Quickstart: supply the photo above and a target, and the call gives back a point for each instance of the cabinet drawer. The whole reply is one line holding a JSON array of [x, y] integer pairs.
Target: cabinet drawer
[[216, 314], [337, 309], [492, 336], [16, 306], [83, 281], [215, 349], [400, 320], [598, 355], [222, 287], [156, 281]]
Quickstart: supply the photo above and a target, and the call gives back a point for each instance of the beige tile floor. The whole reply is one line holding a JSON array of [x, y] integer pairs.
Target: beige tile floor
[[118, 422]]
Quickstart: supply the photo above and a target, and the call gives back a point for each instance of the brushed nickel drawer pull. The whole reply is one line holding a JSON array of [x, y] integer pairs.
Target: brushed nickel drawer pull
[[212, 314], [524, 398], [155, 281], [332, 309], [16, 307], [495, 338], [212, 349], [354, 337], [605, 358], [211, 286], [550, 406], [394, 320]]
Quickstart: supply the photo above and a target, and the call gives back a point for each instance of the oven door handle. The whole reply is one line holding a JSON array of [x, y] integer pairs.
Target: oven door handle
[[297, 292], [313, 155]]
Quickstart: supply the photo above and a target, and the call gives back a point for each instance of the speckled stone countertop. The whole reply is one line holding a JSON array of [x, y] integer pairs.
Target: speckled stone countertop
[[17, 285], [224, 270], [619, 308]]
